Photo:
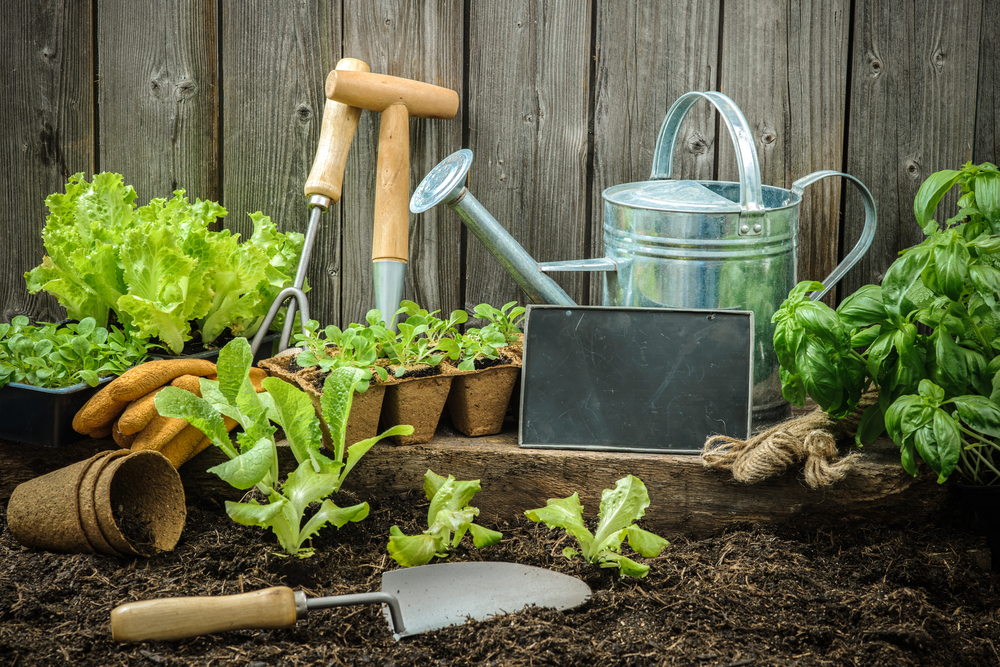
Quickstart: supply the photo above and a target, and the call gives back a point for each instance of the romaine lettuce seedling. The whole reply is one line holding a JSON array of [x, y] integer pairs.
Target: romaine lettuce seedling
[[449, 513], [254, 458], [620, 506]]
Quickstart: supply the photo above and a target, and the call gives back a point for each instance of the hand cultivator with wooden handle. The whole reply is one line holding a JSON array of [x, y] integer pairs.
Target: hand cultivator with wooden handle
[[323, 188], [397, 99]]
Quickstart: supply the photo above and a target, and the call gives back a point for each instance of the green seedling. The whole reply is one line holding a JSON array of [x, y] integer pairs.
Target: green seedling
[[253, 459], [620, 507], [449, 518], [61, 355], [506, 319], [353, 347]]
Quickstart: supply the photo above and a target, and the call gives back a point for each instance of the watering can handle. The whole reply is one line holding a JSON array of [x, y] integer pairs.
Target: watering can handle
[[751, 200], [867, 234]]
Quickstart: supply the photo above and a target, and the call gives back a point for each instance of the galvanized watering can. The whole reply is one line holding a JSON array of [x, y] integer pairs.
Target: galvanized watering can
[[677, 244]]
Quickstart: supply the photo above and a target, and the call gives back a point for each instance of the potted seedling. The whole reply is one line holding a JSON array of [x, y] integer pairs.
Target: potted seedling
[[488, 370], [159, 271], [928, 338], [415, 358], [48, 371], [332, 348]]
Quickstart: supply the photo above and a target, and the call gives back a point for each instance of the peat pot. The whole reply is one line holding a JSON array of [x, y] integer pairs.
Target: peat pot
[[677, 243]]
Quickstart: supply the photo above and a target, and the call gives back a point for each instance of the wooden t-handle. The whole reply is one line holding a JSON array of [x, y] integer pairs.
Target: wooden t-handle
[[377, 92], [179, 618], [340, 122], [392, 187]]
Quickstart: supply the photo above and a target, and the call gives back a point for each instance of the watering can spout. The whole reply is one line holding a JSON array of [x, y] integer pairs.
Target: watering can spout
[[445, 183]]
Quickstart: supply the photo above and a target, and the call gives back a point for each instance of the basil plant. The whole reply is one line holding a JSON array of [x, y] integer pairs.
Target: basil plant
[[927, 338]]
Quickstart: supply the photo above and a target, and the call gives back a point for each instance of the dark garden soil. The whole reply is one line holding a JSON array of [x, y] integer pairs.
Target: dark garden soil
[[858, 595]]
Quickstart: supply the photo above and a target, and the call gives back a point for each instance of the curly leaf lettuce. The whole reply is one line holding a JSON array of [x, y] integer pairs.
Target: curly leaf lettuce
[[159, 268]]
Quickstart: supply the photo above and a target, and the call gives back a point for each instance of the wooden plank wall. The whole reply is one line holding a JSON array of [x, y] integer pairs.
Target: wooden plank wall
[[559, 100]]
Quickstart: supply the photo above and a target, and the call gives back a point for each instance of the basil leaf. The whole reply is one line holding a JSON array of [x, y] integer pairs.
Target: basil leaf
[[931, 192], [900, 278], [863, 308]]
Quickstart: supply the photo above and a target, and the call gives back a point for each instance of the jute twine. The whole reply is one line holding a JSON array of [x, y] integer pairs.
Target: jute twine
[[812, 437]]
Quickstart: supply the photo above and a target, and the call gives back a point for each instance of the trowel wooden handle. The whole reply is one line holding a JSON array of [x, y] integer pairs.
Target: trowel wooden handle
[[392, 186], [179, 618], [377, 92], [340, 122]]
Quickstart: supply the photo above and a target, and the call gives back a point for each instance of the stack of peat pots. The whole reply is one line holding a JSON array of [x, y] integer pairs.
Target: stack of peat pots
[[116, 503]]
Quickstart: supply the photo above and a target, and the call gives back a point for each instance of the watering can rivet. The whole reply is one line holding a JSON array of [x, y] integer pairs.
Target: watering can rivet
[[745, 228], [758, 228]]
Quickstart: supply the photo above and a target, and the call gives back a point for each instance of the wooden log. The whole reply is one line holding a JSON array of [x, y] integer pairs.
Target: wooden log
[[687, 499]]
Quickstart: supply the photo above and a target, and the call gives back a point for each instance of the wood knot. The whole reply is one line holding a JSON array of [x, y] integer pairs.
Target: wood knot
[[912, 169], [185, 89], [769, 137], [697, 146], [304, 113]]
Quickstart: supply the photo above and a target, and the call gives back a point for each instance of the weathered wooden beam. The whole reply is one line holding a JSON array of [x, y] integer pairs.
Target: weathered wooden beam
[[687, 499]]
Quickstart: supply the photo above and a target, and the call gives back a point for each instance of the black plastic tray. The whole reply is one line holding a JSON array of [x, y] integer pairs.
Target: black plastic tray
[[40, 416]]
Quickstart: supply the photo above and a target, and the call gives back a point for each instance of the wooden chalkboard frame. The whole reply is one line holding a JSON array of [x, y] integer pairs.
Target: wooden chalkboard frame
[[570, 349]]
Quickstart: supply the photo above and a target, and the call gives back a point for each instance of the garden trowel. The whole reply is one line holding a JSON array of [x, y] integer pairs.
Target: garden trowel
[[416, 599]]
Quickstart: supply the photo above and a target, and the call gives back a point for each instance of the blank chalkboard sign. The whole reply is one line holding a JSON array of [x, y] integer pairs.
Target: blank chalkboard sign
[[634, 379]]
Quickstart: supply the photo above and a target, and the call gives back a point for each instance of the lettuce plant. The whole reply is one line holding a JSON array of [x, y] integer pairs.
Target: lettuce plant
[[159, 268], [253, 459], [620, 507], [62, 355], [449, 518]]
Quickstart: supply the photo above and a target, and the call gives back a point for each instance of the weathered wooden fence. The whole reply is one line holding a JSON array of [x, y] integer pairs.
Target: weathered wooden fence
[[559, 100]]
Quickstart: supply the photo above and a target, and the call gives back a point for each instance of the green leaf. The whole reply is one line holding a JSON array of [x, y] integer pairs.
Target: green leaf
[[233, 367], [863, 308], [627, 566], [900, 279], [432, 483], [484, 537], [176, 402], [253, 513], [335, 404], [620, 506], [951, 261], [980, 413], [988, 195], [931, 192], [871, 426], [246, 469], [410, 551], [356, 451], [297, 418], [329, 513], [565, 513], [645, 543]]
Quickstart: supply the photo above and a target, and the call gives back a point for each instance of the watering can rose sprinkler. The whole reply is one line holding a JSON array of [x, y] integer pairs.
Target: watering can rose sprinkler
[[677, 243]]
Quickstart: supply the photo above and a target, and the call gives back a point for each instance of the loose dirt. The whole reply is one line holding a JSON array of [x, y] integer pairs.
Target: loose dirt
[[856, 595]]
